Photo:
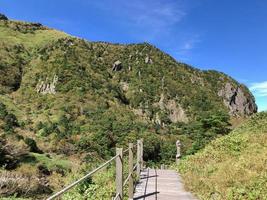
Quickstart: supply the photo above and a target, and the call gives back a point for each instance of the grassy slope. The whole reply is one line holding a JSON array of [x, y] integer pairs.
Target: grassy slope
[[233, 166], [19, 41], [28, 34]]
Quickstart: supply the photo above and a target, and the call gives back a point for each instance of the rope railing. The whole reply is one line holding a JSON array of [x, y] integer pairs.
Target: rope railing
[[127, 179], [120, 182], [116, 197], [81, 179], [126, 150]]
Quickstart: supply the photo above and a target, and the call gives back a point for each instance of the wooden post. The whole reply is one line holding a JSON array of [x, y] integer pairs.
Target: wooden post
[[138, 154], [130, 190], [142, 152], [119, 173], [178, 154]]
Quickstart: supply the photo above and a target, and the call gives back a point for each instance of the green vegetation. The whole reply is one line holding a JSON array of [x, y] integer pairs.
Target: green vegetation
[[64, 100], [232, 166], [9, 119], [52, 163], [100, 186]]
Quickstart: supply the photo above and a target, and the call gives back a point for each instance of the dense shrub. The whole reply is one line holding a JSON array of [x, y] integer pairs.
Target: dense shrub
[[32, 145], [205, 129], [3, 111], [10, 120]]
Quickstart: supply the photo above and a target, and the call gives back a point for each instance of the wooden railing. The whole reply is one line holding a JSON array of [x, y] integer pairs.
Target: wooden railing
[[120, 181]]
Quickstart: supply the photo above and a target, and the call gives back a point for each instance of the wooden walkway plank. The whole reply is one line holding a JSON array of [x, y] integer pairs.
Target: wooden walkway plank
[[157, 184]]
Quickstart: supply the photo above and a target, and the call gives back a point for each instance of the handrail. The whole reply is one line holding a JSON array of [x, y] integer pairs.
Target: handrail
[[127, 179], [119, 171], [81, 179], [116, 197], [138, 167], [126, 150], [134, 168]]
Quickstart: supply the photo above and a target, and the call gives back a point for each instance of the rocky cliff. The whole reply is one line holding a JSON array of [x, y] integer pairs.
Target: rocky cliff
[[236, 100]]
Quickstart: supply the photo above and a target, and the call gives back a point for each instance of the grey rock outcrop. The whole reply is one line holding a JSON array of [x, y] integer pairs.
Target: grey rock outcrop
[[148, 60], [46, 87], [237, 102], [117, 66], [176, 112]]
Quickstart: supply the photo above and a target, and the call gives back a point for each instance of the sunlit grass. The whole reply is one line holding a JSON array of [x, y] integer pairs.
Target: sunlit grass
[[233, 166]]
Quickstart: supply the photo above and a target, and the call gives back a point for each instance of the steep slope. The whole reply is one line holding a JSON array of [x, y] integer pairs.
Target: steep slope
[[18, 41], [233, 166], [68, 89], [40, 54]]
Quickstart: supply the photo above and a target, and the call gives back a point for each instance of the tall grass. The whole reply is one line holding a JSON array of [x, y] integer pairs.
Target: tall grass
[[233, 166]]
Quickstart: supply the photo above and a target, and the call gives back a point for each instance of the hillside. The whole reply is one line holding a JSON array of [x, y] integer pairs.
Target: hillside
[[65, 102], [233, 166]]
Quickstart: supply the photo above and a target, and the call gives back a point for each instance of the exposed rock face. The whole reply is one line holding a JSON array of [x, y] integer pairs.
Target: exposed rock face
[[46, 87], [148, 60], [158, 120], [3, 17], [176, 112], [117, 66], [236, 101], [141, 113], [161, 102]]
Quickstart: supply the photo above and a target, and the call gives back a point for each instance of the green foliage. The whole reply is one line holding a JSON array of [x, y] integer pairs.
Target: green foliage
[[232, 166], [9, 119], [100, 186], [52, 163], [94, 108], [32, 145], [205, 129], [3, 111], [3, 17]]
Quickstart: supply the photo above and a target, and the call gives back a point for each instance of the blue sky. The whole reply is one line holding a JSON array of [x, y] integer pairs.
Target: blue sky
[[226, 35]]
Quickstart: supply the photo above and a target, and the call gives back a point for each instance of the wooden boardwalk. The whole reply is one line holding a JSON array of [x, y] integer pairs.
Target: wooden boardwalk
[[153, 184], [158, 184]]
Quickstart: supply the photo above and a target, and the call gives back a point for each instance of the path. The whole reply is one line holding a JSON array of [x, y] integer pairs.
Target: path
[[158, 184]]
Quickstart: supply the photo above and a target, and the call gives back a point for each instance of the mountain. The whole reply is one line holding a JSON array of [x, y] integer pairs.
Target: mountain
[[65, 101], [233, 166]]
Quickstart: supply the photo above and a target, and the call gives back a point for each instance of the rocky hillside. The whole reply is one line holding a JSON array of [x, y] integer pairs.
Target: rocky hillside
[[74, 100], [34, 57]]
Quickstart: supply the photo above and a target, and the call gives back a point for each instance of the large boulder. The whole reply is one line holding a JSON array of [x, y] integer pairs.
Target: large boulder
[[236, 101]]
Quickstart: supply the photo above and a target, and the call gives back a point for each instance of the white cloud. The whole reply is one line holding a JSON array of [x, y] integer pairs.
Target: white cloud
[[147, 19], [259, 89], [185, 50], [190, 43], [155, 14], [155, 21]]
